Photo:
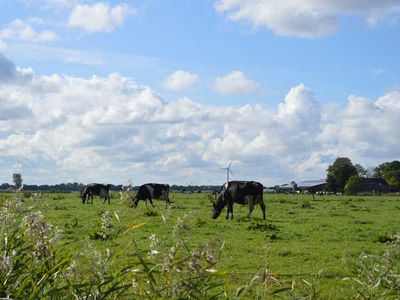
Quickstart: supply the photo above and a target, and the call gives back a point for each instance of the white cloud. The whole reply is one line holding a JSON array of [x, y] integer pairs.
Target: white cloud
[[99, 16], [235, 82], [109, 129], [305, 18], [23, 30], [3, 45], [180, 80], [7, 69]]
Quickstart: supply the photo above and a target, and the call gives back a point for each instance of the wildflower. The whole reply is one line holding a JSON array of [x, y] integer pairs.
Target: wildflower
[[117, 217], [211, 270], [38, 231], [136, 270], [153, 241], [210, 258], [72, 270], [152, 253], [134, 283]]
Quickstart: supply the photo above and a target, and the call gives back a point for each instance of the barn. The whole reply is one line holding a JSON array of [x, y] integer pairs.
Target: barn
[[375, 185], [311, 186]]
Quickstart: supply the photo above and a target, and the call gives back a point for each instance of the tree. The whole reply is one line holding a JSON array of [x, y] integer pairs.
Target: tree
[[390, 171], [360, 170], [17, 180], [353, 185], [338, 174]]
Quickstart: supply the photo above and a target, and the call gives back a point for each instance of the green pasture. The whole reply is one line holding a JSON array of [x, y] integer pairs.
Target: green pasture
[[304, 238]]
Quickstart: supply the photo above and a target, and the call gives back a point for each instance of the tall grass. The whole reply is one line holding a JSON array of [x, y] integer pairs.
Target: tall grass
[[33, 265]]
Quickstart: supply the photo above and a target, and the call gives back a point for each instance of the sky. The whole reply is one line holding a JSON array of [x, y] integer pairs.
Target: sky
[[171, 91]]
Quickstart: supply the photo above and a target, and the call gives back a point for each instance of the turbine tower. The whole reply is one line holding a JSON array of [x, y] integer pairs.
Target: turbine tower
[[228, 171]]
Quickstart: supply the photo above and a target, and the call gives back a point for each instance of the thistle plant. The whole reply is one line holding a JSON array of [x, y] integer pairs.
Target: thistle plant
[[378, 276], [29, 266]]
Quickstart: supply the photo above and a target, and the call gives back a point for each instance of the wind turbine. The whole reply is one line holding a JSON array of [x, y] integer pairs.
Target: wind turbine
[[228, 170]]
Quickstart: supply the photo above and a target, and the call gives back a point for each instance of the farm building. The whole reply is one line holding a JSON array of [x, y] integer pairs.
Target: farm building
[[312, 186], [286, 188], [375, 185]]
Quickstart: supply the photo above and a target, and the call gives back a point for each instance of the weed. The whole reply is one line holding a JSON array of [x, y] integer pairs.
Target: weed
[[151, 212], [60, 207], [199, 222], [385, 238], [284, 253], [103, 230], [377, 276], [306, 204], [263, 227]]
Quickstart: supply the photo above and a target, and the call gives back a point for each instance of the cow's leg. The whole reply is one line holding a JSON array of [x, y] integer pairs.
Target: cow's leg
[[251, 206], [151, 202], [230, 209], [262, 205], [107, 198], [165, 198]]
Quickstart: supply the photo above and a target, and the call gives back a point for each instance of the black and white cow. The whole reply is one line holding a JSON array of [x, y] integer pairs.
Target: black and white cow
[[150, 191], [241, 192], [95, 189]]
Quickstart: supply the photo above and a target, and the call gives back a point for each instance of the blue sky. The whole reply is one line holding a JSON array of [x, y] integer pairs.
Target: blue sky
[[187, 86]]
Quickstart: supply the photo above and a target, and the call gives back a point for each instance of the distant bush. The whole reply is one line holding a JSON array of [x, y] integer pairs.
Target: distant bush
[[353, 185]]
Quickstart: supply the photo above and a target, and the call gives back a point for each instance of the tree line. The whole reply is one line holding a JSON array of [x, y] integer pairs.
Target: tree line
[[76, 187]]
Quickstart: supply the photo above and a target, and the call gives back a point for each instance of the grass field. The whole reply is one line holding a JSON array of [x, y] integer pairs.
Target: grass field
[[306, 248]]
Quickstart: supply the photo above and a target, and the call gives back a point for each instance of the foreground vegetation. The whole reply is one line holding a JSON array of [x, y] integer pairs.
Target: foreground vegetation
[[329, 247]]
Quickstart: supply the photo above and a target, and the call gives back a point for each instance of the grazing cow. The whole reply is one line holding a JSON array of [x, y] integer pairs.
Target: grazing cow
[[241, 192], [95, 189], [150, 191]]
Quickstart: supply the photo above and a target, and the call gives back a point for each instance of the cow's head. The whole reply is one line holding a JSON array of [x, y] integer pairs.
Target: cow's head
[[134, 202], [83, 196], [218, 206]]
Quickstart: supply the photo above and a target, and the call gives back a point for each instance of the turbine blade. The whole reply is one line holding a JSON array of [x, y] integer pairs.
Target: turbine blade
[[230, 163]]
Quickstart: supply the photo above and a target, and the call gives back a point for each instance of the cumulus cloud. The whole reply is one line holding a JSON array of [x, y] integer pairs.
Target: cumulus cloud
[[99, 16], [7, 69], [12, 111], [305, 18], [109, 129], [3, 45], [24, 31], [180, 80], [235, 82]]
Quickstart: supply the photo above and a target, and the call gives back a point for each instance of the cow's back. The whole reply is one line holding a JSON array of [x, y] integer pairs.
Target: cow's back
[[142, 193], [239, 190]]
